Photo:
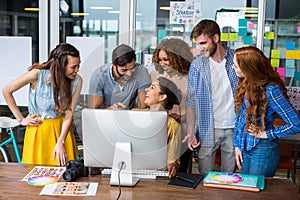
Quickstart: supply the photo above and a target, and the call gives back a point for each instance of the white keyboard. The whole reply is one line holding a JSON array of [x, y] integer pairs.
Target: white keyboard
[[141, 173]]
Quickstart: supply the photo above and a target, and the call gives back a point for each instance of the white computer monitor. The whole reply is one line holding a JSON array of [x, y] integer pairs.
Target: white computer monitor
[[146, 131]]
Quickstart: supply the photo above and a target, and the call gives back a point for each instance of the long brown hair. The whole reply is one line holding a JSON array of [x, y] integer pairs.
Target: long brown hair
[[178, 52], [258, 73], [56, 63]]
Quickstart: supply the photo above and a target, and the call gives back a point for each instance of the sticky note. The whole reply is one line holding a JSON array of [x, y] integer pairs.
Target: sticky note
[[289, 72], [298, 29], [251, 25], [248, 40], [290, 45], [224, 37], [297, 54], [275, 62], [162, 33], [297, 76], [290, 54], [269, 35], [281, 71], [242, 23], [275, 53], [290, 64], [242, 31], [233, 36]]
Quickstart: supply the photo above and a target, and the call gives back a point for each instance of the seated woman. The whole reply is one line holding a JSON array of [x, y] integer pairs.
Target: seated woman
[[161, 96]]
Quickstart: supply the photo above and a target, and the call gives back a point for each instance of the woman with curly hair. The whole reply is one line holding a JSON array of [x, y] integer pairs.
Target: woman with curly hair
[[172, 59], [260, 95]]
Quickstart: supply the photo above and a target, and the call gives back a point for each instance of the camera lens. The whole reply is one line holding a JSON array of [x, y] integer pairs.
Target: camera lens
[[74, 169], [67, 176]]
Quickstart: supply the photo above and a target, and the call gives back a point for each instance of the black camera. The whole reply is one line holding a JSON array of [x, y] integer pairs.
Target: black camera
[[74, 169]]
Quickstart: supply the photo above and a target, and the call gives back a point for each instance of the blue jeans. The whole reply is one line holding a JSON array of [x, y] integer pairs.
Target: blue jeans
[[262, 159]]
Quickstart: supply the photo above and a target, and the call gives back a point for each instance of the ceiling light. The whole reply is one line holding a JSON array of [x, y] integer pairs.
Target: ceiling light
[[31, 9], [101, 8], [246, 8], [139, 14], [164, 8], [251, 15], [114, 11], [80, 14]]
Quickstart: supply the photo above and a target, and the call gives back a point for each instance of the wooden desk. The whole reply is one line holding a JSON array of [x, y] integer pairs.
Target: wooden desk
[[12, 188], [294, 139]]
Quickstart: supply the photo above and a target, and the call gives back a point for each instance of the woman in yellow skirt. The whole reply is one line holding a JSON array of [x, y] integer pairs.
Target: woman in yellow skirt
[[53, 93]]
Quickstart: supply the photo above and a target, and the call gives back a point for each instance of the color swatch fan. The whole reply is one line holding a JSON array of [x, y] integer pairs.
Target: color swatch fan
[[42, 180], [227, 178], [234, 181]]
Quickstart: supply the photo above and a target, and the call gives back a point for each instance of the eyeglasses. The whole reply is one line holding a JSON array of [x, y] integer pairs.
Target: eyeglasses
[[123, 69]]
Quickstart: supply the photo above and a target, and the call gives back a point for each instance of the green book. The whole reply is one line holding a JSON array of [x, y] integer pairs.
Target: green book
[[234, 181]]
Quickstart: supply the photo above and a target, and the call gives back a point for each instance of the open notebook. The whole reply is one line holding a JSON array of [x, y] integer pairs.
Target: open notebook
[[234, 181]]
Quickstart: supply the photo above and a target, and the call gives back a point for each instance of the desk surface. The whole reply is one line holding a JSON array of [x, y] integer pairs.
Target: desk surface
[[294, 139], [12, 188]]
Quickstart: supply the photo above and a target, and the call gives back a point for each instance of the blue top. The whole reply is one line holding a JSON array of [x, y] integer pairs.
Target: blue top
[[199, 94], [40, 100], [103, 84], [277, 103]]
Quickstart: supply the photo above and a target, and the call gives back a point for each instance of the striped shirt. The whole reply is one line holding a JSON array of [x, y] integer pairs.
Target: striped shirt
[[277, 103]]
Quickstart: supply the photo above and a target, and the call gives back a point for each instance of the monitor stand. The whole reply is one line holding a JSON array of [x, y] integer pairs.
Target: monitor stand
[[122, 160]]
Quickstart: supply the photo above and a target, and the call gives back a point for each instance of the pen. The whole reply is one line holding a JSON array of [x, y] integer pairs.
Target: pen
[[185, 179]]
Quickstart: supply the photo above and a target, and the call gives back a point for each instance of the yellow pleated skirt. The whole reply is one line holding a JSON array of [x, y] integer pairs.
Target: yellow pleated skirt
[[39, 143]]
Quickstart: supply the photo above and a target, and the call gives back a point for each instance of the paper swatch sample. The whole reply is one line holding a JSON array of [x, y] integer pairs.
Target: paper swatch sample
[[70, 189], [39, 171]]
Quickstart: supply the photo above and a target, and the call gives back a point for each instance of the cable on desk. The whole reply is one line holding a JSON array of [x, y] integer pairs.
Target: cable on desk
[[119, 179]]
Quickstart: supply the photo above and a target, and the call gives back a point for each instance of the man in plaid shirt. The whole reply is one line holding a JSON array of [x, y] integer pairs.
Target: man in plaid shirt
[[210, 101]]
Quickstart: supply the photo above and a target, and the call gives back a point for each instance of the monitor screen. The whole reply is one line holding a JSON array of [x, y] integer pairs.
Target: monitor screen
[[145, 130]]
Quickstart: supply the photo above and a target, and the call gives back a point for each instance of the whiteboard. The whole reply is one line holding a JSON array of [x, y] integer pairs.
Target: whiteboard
[[15, 58], [91, 54]]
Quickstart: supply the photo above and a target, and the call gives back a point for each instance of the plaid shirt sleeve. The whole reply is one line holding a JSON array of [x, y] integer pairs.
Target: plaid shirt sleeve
[[190, 100], [280, 104]]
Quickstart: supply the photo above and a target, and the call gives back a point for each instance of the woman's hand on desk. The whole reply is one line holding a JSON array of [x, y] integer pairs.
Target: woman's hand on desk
[[172, 169]]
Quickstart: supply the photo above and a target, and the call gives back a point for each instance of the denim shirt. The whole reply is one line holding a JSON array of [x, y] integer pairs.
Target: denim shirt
[[40, 100], [199, 94], [277, 103]]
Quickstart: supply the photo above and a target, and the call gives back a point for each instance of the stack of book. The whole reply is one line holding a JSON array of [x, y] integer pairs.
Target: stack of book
[[234, 181]]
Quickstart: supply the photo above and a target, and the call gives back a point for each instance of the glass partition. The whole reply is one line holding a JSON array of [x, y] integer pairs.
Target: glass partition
[[20, 18], [86, 18]]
